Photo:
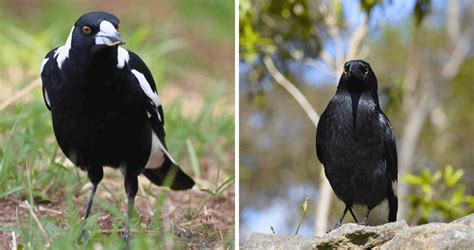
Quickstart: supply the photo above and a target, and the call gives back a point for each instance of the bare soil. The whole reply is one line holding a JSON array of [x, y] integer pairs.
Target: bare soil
[[198, 219]]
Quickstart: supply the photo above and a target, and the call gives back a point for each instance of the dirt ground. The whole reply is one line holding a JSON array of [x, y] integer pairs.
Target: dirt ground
[[210, 221]]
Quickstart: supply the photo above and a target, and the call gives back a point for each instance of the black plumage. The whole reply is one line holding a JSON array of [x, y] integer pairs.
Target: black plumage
[[105, 108], [356, 144]]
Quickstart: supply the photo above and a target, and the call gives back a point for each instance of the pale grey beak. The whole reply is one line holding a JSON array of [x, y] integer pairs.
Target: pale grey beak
[[108, 35]]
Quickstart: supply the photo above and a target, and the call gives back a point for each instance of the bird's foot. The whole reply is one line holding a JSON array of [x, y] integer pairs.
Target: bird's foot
[[338, 225], [84, 237], [126, 238], [126, 235], [362, 223]]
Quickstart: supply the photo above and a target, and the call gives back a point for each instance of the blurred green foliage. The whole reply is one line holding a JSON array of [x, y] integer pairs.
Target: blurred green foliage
[[276, 27], [439, 196]]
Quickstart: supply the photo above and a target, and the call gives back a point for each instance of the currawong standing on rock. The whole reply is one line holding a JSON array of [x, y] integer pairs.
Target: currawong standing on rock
[[356, 144]]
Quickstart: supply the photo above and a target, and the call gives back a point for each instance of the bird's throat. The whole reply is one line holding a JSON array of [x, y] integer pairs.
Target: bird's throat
[[355, 97]]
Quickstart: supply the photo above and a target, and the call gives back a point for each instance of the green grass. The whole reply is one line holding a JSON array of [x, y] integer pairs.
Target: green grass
[[31, 164], [30, 171]]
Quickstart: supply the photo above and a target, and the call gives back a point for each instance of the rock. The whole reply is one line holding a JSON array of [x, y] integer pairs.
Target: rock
[[357, 236], [458, 234], [272, 241], [468, 221], [434, 236]]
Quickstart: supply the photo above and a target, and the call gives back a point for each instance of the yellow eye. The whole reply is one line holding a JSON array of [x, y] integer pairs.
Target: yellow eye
[[345, 70], [366, 71], [86, 30]]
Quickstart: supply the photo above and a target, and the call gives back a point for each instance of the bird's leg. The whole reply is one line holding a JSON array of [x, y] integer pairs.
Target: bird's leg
[[339, 222], [95, 176], [353, 216], [90, 200], [131, 187], [366, 216]]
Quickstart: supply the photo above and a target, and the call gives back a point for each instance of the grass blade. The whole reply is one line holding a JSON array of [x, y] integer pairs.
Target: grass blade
[[10, 191], [193, 158]]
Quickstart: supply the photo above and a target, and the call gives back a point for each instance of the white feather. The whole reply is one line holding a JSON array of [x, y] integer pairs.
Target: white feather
[[157, 153], [147, 89], [43, 63], [378, 215], [46, 97], [41, 68], [122, 57], [63, 52], [156, 158]]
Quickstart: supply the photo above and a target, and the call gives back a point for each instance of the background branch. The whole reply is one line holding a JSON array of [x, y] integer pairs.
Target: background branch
[[325, 197]]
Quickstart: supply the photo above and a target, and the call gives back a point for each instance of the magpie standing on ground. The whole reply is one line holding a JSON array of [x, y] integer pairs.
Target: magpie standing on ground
[[106, 110], [356, 144]]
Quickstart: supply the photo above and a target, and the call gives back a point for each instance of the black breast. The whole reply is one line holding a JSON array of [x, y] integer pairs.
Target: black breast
[[101, 121], [352, 152]]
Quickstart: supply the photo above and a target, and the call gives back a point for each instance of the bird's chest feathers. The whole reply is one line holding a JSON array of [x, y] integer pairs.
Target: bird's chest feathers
[[93, 84], [353, 117]]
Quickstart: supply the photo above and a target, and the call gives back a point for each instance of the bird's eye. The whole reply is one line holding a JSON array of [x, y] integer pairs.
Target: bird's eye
[[345, 69], [366, 71], [86, 30]]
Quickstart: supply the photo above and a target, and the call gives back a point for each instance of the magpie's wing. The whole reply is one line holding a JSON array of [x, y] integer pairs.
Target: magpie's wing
[[49, 76], [390, 147], [147, 84]]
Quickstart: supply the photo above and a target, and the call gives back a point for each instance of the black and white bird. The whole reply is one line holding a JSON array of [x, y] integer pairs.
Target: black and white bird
[[356, 144], [105, 108]]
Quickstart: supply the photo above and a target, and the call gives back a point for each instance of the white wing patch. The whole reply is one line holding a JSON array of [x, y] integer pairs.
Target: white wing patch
[[147, 89], [157, 153], [63, 52], [122, 57]]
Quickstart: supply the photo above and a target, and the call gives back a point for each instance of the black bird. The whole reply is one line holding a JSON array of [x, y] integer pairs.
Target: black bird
[[356, 144], [106, 110]]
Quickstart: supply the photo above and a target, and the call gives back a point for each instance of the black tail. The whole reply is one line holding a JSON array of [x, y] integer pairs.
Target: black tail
[[170, 175], [392, 207]]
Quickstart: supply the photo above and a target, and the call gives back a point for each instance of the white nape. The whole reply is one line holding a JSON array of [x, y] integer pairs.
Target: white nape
[[147, 89], [122, 57], [63, 52]]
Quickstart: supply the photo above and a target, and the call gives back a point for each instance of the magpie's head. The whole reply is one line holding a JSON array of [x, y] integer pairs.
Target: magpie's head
[[358, 74], [96, 30]]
